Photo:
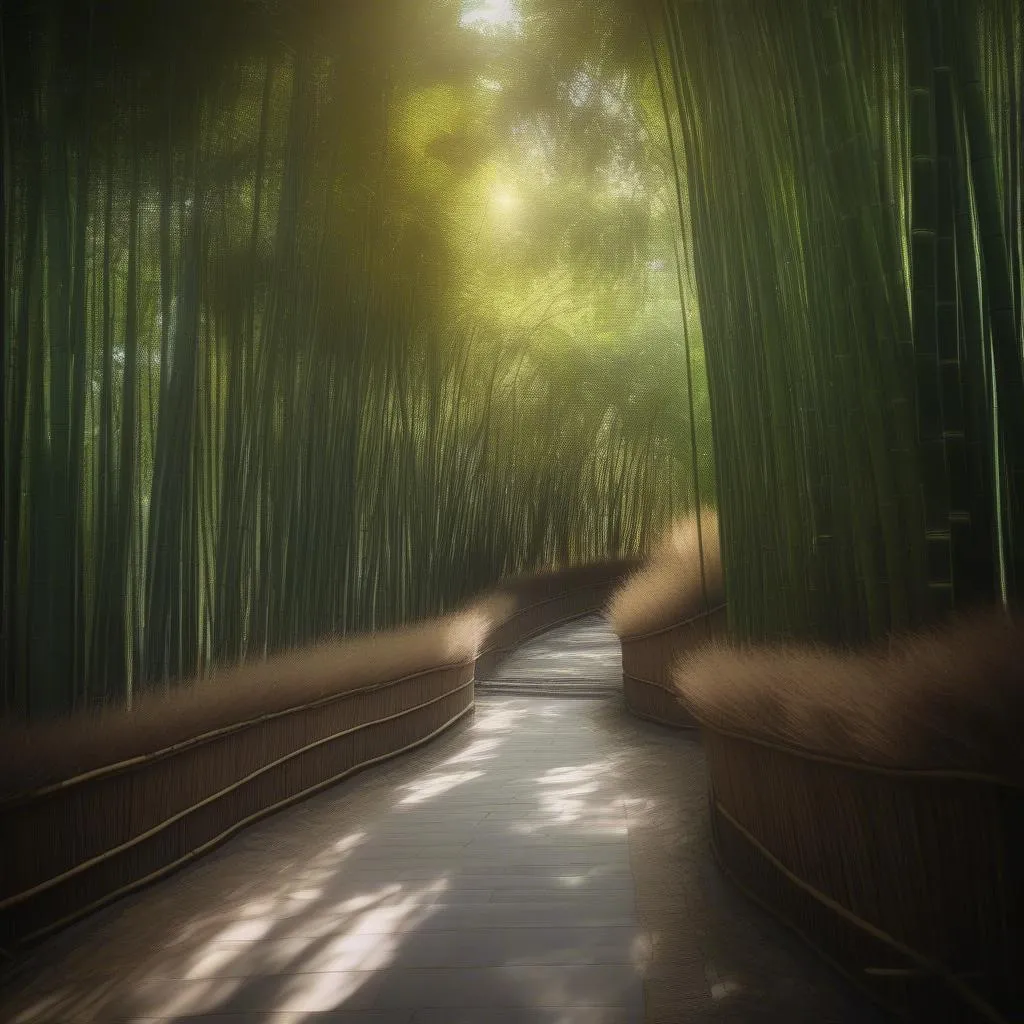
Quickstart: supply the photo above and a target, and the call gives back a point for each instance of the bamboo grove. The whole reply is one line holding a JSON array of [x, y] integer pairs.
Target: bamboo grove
[[241, 411], [264, 379], [849, 183]]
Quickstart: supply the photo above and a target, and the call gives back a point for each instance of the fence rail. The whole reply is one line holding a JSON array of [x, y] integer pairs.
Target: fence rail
[[73, 846], [647, 660], [907, 881]]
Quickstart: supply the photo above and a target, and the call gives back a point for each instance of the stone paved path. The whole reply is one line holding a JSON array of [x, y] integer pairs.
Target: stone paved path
[[547, 862], [580, 659]]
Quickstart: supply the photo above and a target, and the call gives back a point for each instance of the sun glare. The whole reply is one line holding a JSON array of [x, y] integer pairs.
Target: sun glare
[[491, 15], [505, 199]]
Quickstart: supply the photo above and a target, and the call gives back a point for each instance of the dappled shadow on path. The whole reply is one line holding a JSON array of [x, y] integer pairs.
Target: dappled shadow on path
[[545, 861], [490, 871]]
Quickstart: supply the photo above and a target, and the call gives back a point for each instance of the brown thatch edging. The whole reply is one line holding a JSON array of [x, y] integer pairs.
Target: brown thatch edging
[[205, 737], [653, 703], [680, 578], [672, 604], [903, 879], [717, 611], [125, 823], [533, 619], [208, 789], [948, 698], [138, 837], [205, 847], [874, 801], [647, 660], [924, 966], [490, 660]]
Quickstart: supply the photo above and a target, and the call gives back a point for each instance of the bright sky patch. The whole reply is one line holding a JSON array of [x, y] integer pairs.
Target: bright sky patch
[[491, 15]]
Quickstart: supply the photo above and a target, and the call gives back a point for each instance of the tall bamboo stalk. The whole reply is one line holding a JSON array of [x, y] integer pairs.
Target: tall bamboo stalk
[[237, 414], [821, 148]]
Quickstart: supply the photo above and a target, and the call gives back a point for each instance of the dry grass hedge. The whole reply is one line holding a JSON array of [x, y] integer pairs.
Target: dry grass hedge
[[37, 755], [132, 794], [873, 801], [680, 579], [32, 756], [529, 588], [949, 699]]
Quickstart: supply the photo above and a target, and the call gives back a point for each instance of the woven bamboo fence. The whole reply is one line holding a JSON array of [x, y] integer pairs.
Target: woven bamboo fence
[[647, 660], [908, 881], [74, 845]]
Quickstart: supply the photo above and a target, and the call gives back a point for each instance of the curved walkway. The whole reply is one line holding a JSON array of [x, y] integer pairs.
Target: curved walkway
[[547, 861]]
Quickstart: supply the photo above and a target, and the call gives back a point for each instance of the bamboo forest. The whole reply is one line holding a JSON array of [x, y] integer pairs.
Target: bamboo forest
[[378, 375], [319, 319]]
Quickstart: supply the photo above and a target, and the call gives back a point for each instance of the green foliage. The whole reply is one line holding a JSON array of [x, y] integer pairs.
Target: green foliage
[[281, 357], [850, 183]]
